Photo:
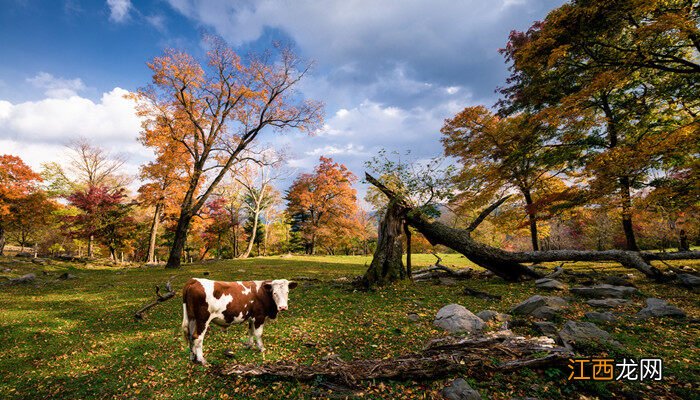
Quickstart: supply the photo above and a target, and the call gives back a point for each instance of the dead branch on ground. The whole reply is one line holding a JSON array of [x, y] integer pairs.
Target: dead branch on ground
[[159, 299]]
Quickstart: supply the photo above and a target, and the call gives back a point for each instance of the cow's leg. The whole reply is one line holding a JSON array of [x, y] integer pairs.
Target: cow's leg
[[199, 341], [251, 334], [257, 332]]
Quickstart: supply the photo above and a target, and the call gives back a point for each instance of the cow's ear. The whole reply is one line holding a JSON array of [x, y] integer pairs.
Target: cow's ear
[[267, 287], [292, 285]]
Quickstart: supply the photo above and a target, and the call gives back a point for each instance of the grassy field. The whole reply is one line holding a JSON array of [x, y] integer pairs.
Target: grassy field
[[78, 338]]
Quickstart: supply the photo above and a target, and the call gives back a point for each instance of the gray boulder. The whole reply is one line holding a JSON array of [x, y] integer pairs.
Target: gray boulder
[[545, 328], [609, 303], [604, 291], [575, 333], [459, 389], [546, 313], [549, 284], [688, 280], [492, 315], [600, 316], [457, 319], [537, 301], [660, 308]]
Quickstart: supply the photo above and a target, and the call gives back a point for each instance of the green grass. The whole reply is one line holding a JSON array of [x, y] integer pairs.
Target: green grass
[[78, 338]]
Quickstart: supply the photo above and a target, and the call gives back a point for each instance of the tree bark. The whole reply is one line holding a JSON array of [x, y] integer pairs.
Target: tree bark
[[532, 216], [2, 240], [253, 234], [89, 249], [154, 233], [407, 232], [183, 225], [387, 264], [627, 214]]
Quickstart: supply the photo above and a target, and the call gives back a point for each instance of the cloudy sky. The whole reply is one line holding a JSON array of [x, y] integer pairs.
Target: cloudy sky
[[388, 71]]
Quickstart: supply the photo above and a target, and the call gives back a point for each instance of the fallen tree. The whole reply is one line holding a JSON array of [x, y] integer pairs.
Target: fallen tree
[[159, 299], [509, 265], [478, 357]]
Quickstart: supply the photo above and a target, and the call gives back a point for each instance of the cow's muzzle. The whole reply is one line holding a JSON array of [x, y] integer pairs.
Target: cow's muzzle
[[282, 308]]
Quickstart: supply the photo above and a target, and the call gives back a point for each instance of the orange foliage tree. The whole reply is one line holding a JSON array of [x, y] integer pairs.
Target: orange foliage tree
[[17, 180], [323, 205], [213, 111]]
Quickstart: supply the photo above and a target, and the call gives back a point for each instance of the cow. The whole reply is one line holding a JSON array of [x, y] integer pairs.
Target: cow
[[224, 303]]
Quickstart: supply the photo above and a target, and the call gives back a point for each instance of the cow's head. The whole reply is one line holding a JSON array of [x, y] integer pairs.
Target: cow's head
[[279, 288]]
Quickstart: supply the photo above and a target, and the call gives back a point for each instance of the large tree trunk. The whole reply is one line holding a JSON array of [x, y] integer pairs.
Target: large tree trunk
[[2, 240], [154, 234], [627, 214], [183, 225], [387, 265], [508, 264], [532, 216]]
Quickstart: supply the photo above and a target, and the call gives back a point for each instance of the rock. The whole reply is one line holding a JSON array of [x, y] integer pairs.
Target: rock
[[549, 284], [617, 281], [446, 281], [28, 278], [459, 389], [66, 276], [537, 301], [39, 261], [688, 280], [413, 317], [547, 313], [600, 316], [604, 291], [492, 315], [660, 308], [576, 333], [545, 328], [457, 319], [610, 303], [24, 254]]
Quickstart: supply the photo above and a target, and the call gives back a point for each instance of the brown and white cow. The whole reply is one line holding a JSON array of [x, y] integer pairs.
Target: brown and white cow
[[224, 303]]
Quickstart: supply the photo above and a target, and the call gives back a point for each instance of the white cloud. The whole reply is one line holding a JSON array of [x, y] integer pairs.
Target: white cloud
[[55, 87], [37, 131], [118, 10]]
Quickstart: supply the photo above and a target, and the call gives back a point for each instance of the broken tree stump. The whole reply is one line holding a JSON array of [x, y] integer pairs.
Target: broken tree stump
[[159, 299], [478, 357]]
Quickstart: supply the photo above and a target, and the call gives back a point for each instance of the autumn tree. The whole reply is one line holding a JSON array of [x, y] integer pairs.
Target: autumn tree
[[17, 180], [499, 153], [104, 215], [30, 217], [323, 204], [257, 179], [215, 110], [621, 76], [166, 180], [88, 165]]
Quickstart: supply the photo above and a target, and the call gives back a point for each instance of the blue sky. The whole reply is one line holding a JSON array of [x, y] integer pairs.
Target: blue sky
[[389, 72]]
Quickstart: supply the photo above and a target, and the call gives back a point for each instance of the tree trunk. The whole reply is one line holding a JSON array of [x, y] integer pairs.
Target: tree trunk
[[183, 225], [387, 263], [90, 240], [407, 232], [154, 233], [627, 214], [2, 240], [532, 216], [503, 263], [253, 234]]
